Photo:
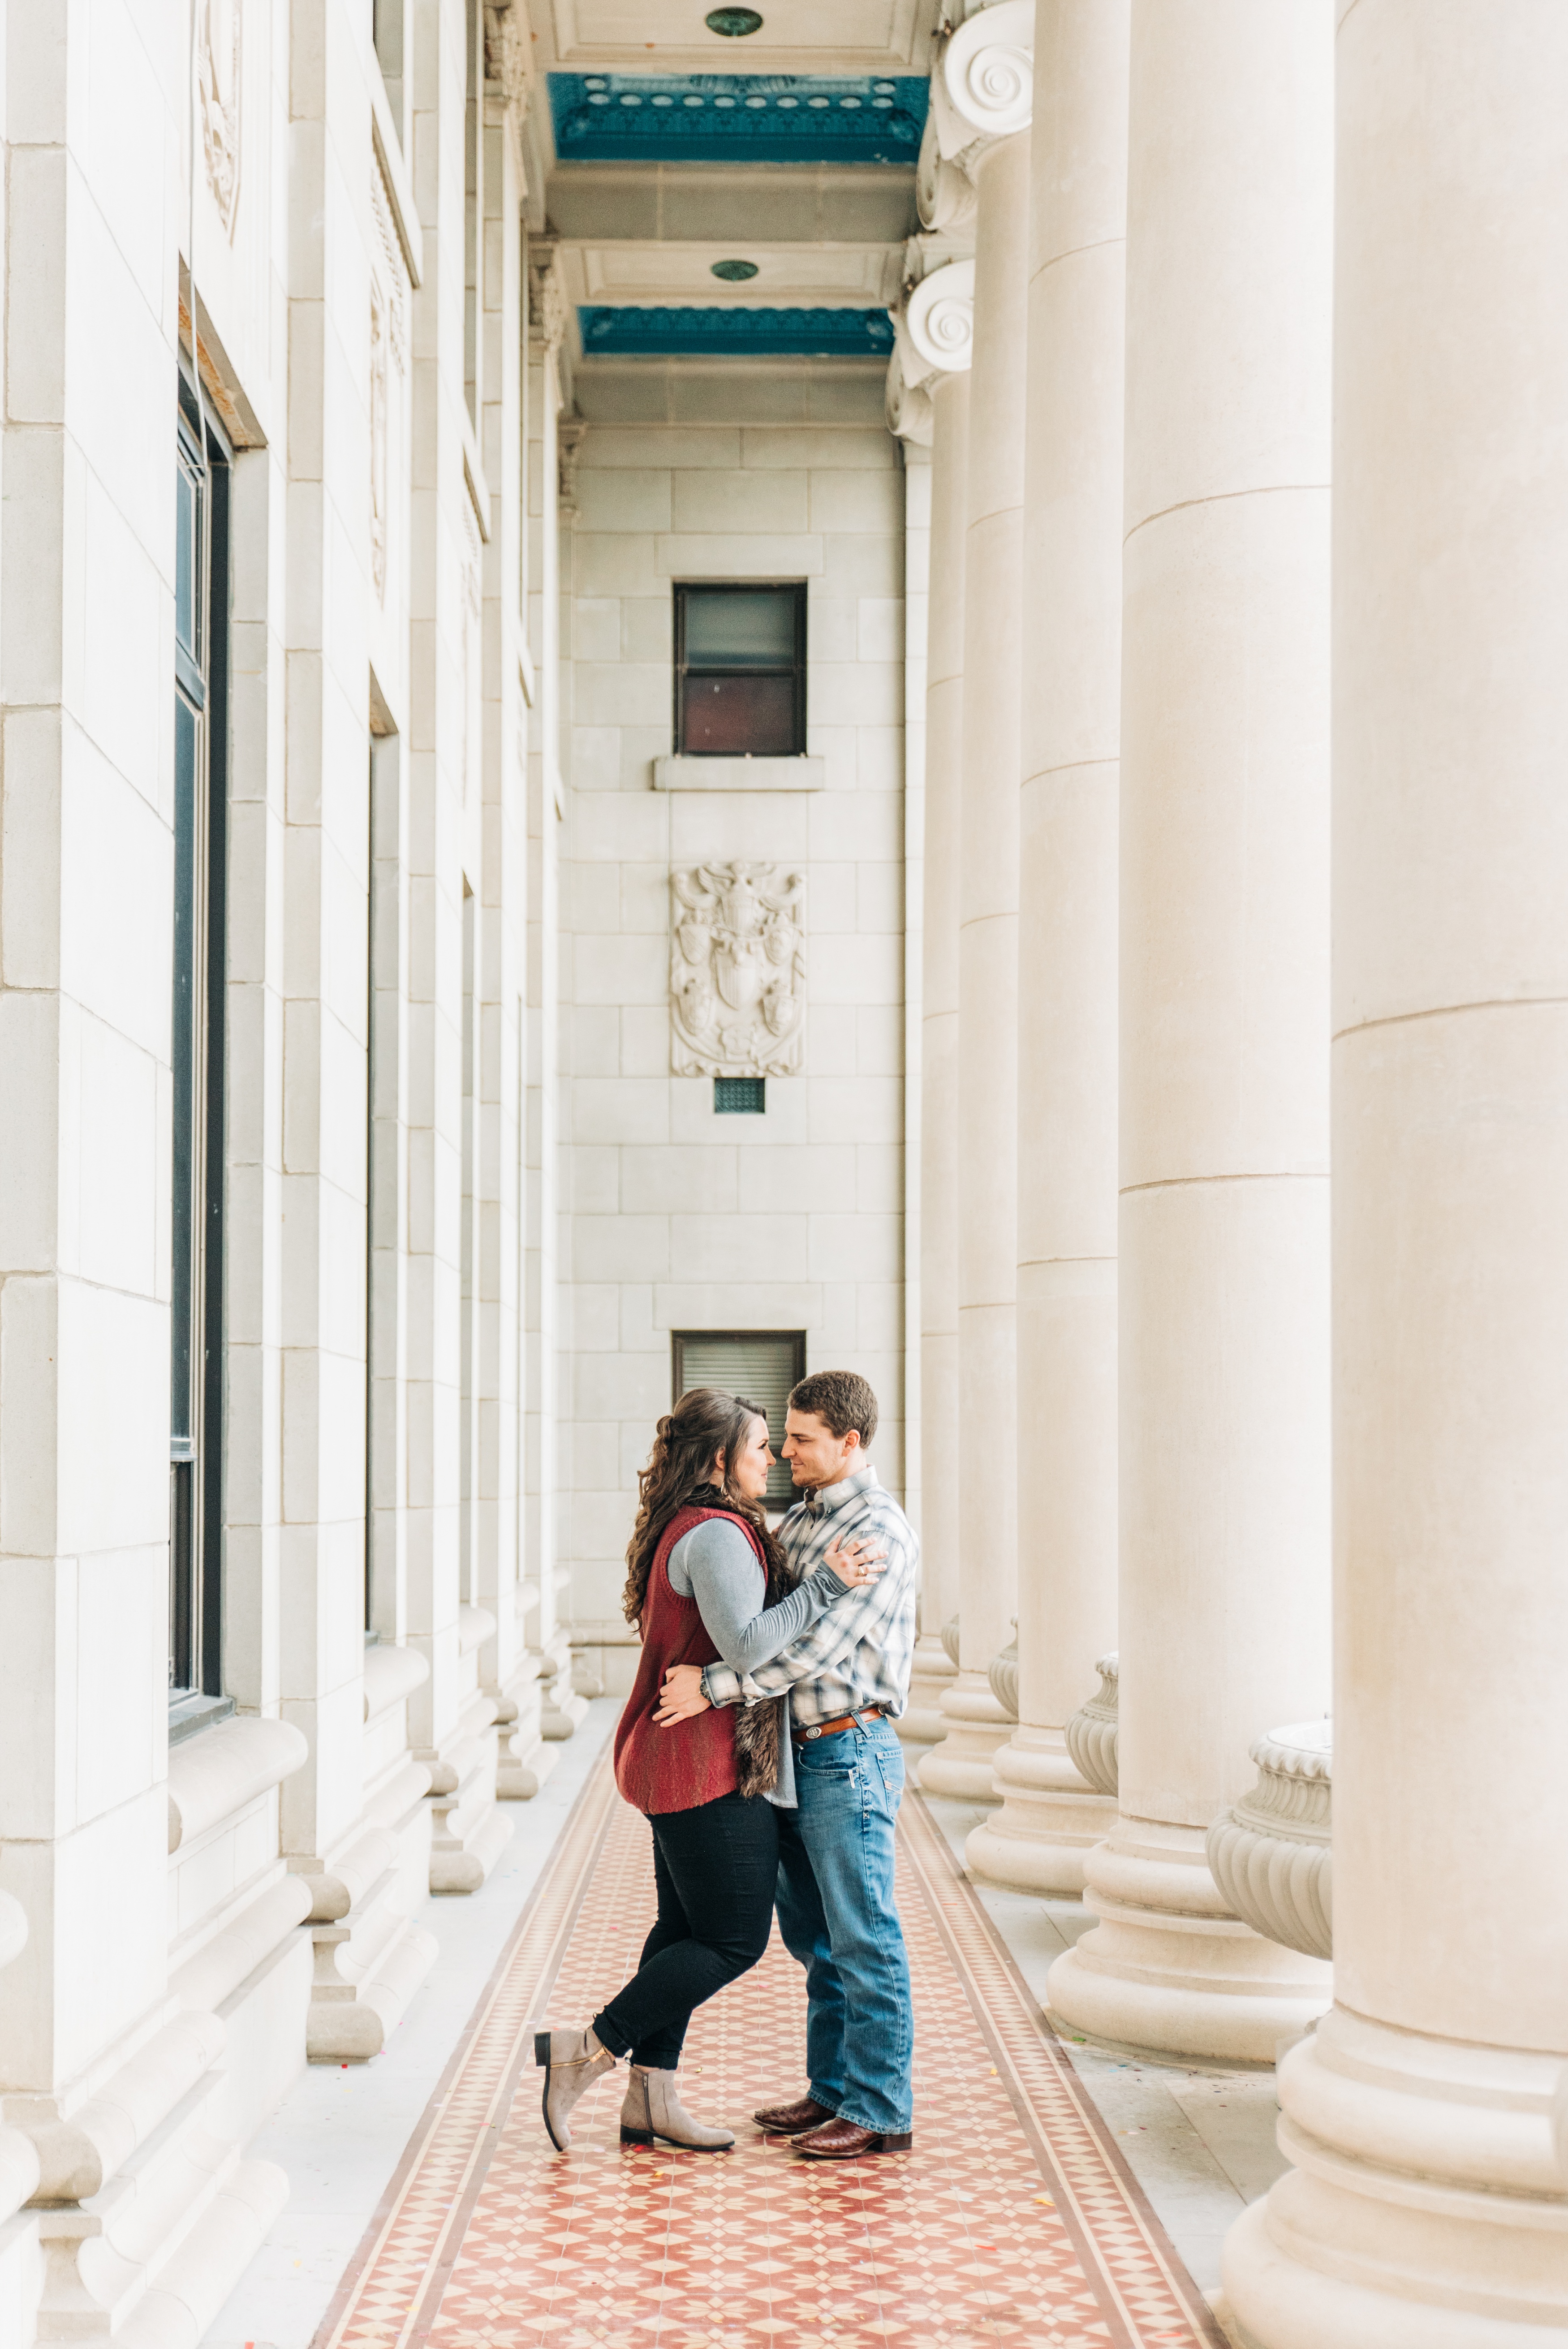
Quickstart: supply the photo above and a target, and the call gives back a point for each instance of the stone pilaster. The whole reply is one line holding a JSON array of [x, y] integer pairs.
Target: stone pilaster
[[562, 1708], [1071, 688], [986, 87], [1223, 1225], [936, 325], [1426, 2205]]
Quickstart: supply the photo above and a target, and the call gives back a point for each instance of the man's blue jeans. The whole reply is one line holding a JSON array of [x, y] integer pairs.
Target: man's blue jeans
[[838, 1916]]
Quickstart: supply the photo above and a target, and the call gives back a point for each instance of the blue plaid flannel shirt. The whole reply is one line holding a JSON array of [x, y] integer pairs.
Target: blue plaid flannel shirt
[[860, 1653]]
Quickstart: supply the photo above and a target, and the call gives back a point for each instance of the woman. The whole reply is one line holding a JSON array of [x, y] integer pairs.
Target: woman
[[706, 1579]]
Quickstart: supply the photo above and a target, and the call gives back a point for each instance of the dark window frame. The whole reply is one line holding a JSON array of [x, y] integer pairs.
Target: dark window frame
[[684, 589], [200, 951], [681, 1338]]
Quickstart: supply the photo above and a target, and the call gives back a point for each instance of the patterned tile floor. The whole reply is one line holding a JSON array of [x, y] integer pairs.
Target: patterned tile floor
[[1015, 2220]]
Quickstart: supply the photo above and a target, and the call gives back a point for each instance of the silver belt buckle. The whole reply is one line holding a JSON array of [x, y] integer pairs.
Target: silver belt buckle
[[813, 1733]]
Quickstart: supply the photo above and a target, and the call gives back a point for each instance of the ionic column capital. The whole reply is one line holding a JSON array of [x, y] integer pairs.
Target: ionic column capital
[[988, 69], [933, 335], [939, 320]]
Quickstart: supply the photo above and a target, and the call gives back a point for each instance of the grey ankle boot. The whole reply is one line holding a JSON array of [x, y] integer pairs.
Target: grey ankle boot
[[570, 2061], [653, 2109]]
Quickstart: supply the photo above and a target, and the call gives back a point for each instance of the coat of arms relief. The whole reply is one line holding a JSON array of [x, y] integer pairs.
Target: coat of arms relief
[[218, 50], [738, 971]]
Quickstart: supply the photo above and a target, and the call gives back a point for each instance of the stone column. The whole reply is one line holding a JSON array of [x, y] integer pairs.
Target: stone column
[[1071, 680], [1224, 1007], [985, 72], [939, 1045], [1425, 2207]]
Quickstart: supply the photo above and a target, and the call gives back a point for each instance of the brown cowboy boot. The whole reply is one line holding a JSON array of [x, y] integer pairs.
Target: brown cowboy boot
[[846, 2141], [792, 2120]]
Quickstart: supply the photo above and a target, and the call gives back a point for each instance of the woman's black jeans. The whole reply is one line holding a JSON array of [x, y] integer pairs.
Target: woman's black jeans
[[715, 1866]]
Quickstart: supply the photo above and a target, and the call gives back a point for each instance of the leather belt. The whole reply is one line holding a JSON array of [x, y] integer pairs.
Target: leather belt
[[845, 1721]]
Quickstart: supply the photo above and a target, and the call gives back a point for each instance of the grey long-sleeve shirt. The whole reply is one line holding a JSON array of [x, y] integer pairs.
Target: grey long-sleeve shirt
[[717, 1566]]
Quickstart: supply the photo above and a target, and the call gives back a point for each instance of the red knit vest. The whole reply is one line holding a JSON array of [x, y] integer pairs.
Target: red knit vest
[[675, 1769]]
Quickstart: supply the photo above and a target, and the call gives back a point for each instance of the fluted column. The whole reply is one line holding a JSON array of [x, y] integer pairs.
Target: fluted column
[[1050, 1818], [1425, 2210], [985, 72], [933, 1669], [1224, 1368]]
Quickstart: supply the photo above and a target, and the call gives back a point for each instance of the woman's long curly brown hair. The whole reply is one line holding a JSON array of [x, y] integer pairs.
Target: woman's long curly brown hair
[[686, 1441]]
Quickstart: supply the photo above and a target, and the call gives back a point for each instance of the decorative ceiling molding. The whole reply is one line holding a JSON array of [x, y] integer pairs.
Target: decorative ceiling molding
[[739, 117], [509, 61], [669, 332]]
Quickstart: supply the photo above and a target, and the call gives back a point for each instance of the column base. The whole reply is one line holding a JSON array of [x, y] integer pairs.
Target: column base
[[974, 1728], [1049, 1822], [1169, 1969], [1426, 2210], [467, 1834], [522, 1759], [933, 1674], [561, 1709]]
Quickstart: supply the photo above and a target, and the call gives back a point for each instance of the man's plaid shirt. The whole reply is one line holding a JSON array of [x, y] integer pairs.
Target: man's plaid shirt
[[859, 1653]]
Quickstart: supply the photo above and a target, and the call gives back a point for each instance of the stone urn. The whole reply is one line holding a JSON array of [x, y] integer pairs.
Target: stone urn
[[1270, 1855], [1004, 1675], [950, 1641], [1091, 1733]]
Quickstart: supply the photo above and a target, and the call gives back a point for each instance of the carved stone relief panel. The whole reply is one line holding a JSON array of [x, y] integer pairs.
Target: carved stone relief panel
[[218, 28], [388, 354], [738, 971]]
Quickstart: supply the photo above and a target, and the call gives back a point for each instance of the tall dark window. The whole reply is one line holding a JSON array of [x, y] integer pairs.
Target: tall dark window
[[760, 1364], [741, 671], [200, 789], [388, 33]]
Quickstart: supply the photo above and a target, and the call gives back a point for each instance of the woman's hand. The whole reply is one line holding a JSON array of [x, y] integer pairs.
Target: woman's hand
[[857, 1562], [681, 1698]]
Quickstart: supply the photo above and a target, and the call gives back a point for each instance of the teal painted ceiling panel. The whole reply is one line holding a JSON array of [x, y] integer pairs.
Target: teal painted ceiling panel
[[630, 333], [737, 118]]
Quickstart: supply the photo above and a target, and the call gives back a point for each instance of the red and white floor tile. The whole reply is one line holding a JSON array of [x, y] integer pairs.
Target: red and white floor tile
[[1015, 2219]]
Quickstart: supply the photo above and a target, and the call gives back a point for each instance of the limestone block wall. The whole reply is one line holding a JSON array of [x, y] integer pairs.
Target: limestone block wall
[[204, 1912], [673, 1216]]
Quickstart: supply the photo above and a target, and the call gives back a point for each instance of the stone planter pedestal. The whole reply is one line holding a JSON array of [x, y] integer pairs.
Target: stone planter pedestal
[[1270, 1854], [1091, 1732]]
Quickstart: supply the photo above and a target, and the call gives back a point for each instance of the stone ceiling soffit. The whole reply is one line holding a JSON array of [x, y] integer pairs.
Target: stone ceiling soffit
[[823, 275], [698, 204], [796, 35], [788, 391]]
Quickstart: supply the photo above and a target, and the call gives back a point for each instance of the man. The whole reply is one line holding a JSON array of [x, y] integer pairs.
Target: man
[[847, 1678]]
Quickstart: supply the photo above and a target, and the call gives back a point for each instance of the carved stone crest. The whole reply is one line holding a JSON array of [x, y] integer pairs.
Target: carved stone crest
[[218, 97], [388, 342], [738, 971]]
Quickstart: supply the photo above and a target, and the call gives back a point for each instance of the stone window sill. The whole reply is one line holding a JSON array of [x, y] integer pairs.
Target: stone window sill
[[682, 774], [188, 1715]]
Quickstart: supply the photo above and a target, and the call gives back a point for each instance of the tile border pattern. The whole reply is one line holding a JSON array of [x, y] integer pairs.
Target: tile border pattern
[[1119, 2240], [395, 2280]]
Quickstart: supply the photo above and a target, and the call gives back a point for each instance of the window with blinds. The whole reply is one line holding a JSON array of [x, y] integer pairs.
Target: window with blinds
[[760, 1364], [741, 671]]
